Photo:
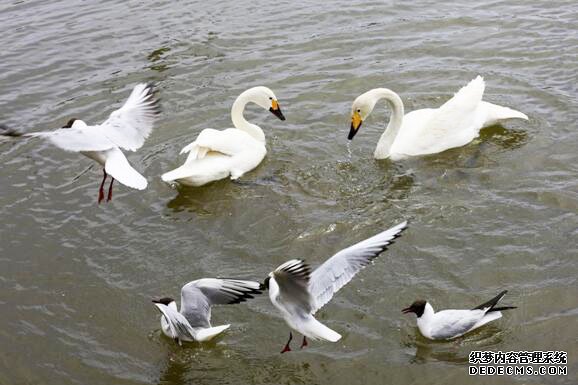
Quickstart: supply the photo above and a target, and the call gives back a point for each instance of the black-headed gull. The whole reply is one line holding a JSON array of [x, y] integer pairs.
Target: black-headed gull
[[449, 324], [193, 321], [126, 128], [299, 294]]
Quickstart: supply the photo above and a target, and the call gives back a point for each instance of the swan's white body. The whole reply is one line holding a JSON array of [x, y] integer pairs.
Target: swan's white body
[[432, 130], [232, 152]]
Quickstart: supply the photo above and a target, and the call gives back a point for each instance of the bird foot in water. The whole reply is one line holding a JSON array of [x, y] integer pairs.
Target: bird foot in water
[[287, 348]]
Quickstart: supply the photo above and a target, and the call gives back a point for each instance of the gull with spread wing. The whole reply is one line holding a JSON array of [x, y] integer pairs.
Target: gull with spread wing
[[193, 321], [299, 293], [126, 128]]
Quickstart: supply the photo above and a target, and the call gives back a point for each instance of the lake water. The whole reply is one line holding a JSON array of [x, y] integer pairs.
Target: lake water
[[76, 278]]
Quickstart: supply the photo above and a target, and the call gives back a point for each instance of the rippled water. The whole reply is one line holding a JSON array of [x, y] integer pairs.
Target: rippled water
[[76, 278]]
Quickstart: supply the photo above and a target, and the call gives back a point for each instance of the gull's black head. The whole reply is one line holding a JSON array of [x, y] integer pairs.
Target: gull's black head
[[265, 285], [164, 300], [70, 123], [418, 307]]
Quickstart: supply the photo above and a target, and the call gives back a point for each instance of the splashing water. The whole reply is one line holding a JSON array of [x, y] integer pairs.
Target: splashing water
[[349, 152]]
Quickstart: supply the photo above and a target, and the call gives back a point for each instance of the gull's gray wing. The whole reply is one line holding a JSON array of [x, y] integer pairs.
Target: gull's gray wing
[[130, 125], [448, 324], [198, 296], [292, 277], [223, 291], [179, 326], [338, 270]]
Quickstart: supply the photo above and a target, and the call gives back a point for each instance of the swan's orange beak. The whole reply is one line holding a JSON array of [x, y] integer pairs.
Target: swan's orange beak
[[355, 124], [276, 110]]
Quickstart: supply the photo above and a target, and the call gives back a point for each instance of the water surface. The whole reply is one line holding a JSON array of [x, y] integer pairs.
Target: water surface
[[76, 278]]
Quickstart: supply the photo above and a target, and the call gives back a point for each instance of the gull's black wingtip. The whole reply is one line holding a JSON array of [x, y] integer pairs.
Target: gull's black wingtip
[[152, 91], [7, 131], [503, 308], [490, 305]]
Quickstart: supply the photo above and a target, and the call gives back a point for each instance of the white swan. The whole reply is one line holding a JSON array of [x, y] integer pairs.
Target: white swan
[[127, 128], [431, 130], [232, 152]]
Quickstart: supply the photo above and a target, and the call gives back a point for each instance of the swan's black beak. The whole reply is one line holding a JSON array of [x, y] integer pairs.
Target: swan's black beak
[[352, 131], [355, 124], [276, 110]]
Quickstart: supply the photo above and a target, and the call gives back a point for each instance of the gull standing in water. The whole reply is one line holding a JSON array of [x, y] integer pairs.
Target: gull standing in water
[[126, 128], [299, 294], [193, 321], [449, 324]]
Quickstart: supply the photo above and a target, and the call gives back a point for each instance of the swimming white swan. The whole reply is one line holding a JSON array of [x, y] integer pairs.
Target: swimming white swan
[[127, 128], [431, 130], [232, 152]]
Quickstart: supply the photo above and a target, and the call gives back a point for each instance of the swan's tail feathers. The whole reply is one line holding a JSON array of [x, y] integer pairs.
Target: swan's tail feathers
[[118, 167], [316, 330], [495, 113], [210, 333]]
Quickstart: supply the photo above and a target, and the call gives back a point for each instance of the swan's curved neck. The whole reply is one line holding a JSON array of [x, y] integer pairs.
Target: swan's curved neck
[[383, 149], [241, 123]]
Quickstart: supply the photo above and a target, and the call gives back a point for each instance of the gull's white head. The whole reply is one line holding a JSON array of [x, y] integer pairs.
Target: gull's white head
[[361, 109], [265, 98]]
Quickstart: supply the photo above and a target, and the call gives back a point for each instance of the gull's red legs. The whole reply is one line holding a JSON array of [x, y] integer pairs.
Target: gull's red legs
[[287, 348], [110, 189], [304, 343], [101, 189]]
